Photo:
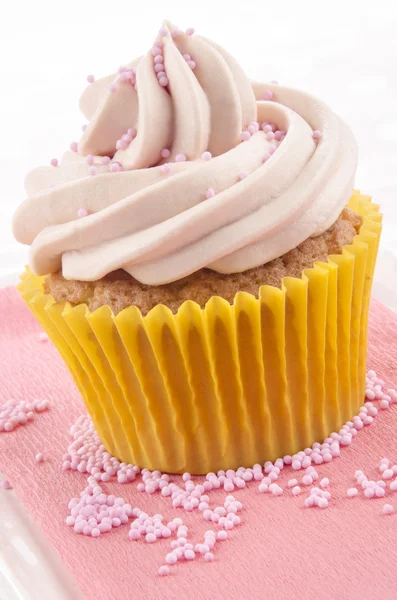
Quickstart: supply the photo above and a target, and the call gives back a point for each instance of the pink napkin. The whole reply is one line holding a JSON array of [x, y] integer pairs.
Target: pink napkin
[[280, 551]]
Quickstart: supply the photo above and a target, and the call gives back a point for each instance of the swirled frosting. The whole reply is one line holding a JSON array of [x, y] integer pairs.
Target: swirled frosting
[[157, 221]]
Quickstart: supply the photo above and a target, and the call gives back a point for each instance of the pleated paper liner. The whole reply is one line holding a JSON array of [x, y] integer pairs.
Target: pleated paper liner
[[227, 385]]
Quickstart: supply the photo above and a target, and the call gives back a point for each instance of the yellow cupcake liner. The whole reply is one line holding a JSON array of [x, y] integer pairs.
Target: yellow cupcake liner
[[227, 385]]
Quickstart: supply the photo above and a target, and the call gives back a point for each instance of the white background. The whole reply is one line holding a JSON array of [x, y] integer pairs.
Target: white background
[[344, 52]]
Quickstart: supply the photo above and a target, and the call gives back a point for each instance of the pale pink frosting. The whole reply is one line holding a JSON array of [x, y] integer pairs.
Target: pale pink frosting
[[161, 227]]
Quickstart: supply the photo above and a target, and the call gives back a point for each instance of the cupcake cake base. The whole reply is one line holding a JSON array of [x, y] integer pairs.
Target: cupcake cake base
[[119, 290]]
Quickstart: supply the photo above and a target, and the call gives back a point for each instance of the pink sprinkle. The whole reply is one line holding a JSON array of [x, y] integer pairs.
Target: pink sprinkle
[[156, 51], [165, 168], [121, 145], [317, 134], [43, 337], [92, 171], [208, 556], [74, 146], [164, 570], [388, 474], [90, 159], [82, 212], [268, 95], [296, 465], [292, 482], [191, 64], [296, 490], [387, 509], [175, 32], [270, 135], [274, 81], [112, 87], [245, 136], [84, 127], [222, 535], [324, 482], [163, 31], [210, 194], [180, 158], [90, 78], [5, 484], [393, 485], [307, 480], [54, 162], [206, 155], [105, 160], [161, 73], [39, 457], [243, 174], [158, 67], [351, 492], [190, 31], [158, 59], [165, 153], [114, 168], [163, 81]]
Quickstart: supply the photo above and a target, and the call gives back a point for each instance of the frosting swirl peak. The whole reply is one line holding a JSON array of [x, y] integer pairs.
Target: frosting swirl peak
[[161, 217]]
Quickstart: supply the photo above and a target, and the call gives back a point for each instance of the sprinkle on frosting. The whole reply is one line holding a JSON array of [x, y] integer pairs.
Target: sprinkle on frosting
[[90, 78], [209, 193], [74, 147], [5, 484], [180, 157], [82, 212], [268, 95], [316, 134], [165, 153], [190, 31], [92, 171], [54, 162]]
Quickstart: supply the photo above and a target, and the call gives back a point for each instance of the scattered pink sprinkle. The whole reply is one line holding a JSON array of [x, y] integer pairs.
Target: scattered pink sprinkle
[[180, 157], [324, 482], [191, 64], [387, 509], [84, 127], [206, 155], [210, 194], [74, 147], [317, 134], [105, 160], [43, 337], [296, 490], [163, 81], [268, 95], [190, 31], [112, 87], [243, 174], [90, 159], [82, 212], [90, 78], [39, 457], [92, 171], [164, 570], [165, 153], [54, 162], [5, 484], [175, 32]]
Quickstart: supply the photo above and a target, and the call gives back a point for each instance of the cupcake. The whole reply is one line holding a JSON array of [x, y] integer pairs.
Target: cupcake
[[202, 262]]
